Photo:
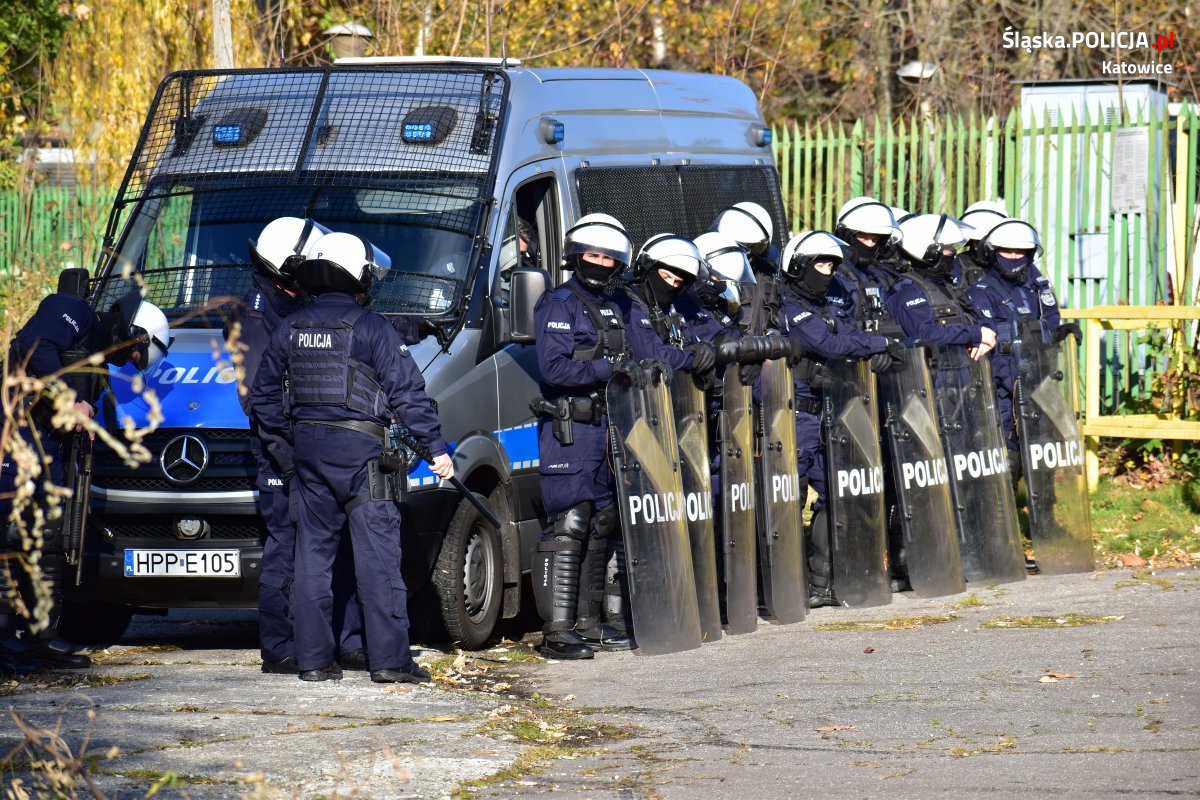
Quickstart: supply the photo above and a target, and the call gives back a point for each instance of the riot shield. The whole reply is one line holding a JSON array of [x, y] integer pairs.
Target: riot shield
[[856, 502], [658, 556], [1047, 411], [737, 504], [985, 513], [691, 426], [919, 478], [782, 494]]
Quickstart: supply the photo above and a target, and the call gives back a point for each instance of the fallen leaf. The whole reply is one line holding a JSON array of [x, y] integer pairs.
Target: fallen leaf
[[1054, 674], [869, 650], [1138, 517], [1047, 679], [568, 697], [1133, 560], [834, 728], [484, 753], [399, 689]]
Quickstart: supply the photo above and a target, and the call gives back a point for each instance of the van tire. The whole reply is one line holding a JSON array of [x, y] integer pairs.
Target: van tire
[[93, 622], [469, 575]]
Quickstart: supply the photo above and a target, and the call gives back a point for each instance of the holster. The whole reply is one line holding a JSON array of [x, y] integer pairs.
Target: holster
[[385, 481]]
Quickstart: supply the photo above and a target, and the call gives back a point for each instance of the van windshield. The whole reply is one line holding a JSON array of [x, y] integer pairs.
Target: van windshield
[[191, 247]]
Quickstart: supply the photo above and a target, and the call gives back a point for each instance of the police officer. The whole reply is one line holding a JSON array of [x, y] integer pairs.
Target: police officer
[[1012, 291], [750, 225], [349, 375], [809, 261], [588, 329], [63, 331], [275, 295], [981, 217], [864, 277], [925, 301]]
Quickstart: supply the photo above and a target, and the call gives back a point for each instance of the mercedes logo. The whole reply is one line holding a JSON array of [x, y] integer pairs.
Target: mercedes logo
[[183, 459]]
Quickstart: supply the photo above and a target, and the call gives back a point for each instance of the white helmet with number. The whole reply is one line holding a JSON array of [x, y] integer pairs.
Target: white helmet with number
[[599, 233], [141, 327], [342, 262], [808, 247], [281, 247], [671, 252], [926, 235], [748, 224]]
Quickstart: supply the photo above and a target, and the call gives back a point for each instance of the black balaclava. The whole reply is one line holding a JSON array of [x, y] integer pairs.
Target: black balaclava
[[942, 268], [812, 283], [664, 294], [1015, 270]]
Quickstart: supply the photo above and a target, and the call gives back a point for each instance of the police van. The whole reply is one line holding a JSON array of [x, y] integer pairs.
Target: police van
[[436, 162]]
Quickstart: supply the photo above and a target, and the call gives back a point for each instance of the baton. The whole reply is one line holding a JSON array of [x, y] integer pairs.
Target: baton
[[406, 438], [80, 502]]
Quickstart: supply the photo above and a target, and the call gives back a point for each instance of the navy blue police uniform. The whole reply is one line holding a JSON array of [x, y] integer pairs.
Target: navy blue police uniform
[[581, 335], [826, 332], [1006, 305], [62, 331], [259, 314], [934, 311], [349, 375]]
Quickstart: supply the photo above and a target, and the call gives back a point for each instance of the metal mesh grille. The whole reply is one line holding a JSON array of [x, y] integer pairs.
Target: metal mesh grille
[[676, 199], [165, 528], [357, 125], [707, 191]]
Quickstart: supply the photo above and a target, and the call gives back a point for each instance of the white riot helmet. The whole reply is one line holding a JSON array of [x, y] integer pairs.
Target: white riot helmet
[[866, 215], [139, 326], [281, 246], [995, 206], [1011, 234], [748, 224], [676, 255], [668, 251], [927, 235], [342, 262], [602, 234], [727, 265], [981, 220], [803, 252]]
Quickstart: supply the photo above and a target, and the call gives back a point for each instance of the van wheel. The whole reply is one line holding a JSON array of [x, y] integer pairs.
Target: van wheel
[[469, 576], [93, 622]]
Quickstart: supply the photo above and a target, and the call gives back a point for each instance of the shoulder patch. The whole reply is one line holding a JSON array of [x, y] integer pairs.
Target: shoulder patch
[[70, 321], [555, 325], [987, 312], [803, 315], [1048, 298], [916, 301], [645, 322]]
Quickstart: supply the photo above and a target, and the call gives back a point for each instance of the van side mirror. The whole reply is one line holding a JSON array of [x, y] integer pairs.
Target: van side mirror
[[526, 287]]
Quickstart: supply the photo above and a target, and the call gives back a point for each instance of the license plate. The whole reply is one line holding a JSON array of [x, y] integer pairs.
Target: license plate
[[182, 564]]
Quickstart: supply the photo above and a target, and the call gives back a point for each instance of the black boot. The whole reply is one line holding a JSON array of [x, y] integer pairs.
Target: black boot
[[618, 620], [589, 623], [820, 564], [47, 645], [556, 590]]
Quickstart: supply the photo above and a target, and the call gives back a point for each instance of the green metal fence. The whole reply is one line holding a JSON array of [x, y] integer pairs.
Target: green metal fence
[[51, 227]]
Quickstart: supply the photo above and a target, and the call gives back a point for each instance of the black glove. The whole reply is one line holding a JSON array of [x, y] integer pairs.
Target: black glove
[[816, 377], [633, 371], [704, 356], [897, 351], [1067, 328], [881, 362], [750, 372], [728, 349], [795, 351]]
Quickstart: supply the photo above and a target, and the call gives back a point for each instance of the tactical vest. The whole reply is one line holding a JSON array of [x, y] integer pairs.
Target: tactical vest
[[870, 311], [611, 341], [948, 307], [669, 325], [321, 371], [765, 305], [1020, 315]]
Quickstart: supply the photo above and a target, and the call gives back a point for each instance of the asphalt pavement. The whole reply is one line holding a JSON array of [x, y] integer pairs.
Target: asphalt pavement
[[1071, 686]]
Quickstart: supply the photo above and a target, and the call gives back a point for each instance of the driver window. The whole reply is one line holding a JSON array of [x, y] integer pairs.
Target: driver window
[[532, 220]]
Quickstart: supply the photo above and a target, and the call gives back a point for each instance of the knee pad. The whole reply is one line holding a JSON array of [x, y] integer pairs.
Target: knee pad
[[605, 522], [573, 523]]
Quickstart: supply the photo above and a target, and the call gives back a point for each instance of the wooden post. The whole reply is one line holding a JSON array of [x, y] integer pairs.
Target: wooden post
[[222, 55]]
